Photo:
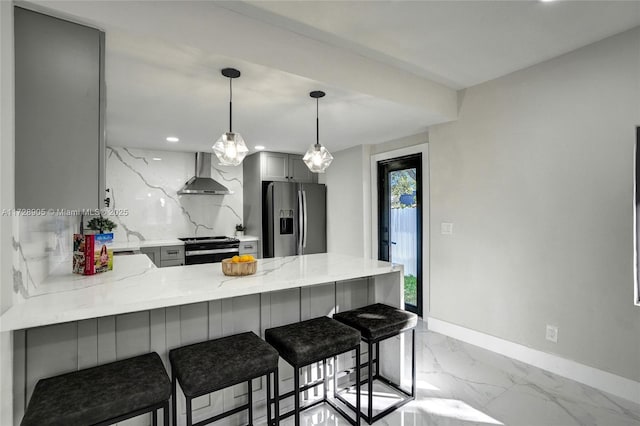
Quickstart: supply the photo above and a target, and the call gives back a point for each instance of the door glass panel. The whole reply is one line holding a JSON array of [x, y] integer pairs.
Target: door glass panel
[[403, 230]]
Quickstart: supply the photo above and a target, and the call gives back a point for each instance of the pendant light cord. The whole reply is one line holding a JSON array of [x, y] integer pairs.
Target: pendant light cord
[[230, 102], [317, 124]]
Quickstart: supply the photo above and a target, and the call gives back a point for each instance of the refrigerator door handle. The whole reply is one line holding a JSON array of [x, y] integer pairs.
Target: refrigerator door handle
[[304, 205], [301, 220]]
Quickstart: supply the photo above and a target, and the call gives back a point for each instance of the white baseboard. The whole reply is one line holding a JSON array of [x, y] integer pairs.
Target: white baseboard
[[599, 379]]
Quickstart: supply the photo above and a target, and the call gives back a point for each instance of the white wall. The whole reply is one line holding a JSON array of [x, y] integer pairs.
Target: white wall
[[537, 177], [352, 199], [348, 200], [6, 202]]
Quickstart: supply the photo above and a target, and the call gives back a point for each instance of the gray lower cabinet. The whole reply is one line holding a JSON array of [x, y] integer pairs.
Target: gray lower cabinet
[[249, 247], [153, 253], [59, 113], [164, 256], [171, 256]]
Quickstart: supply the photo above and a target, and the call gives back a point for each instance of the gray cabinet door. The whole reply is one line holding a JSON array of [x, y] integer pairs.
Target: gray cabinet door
[[59, 129], [299, 172], [153, 253], [274, 167], [249, 247]]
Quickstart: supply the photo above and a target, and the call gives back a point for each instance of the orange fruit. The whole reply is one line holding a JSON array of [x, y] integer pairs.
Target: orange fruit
[[235, 259], [245, 258]]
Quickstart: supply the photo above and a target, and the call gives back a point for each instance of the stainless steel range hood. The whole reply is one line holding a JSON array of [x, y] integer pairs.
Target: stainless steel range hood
[[201, 183]]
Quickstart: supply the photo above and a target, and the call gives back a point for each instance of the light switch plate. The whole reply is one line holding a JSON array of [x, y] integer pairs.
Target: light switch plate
[[446, 228]]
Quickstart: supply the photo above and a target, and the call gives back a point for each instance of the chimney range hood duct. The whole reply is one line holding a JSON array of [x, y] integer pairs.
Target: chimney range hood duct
[[201, 183]]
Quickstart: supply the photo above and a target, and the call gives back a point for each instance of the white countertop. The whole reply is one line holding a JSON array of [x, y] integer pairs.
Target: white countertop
[[247, 238], [136, 285]]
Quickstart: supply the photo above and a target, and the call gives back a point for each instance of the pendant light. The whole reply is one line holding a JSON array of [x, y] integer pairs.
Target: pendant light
[[230, 148], [317, 157]]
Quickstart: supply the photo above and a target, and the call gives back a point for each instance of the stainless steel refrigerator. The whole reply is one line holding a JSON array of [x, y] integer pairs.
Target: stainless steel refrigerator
[[296, 219]]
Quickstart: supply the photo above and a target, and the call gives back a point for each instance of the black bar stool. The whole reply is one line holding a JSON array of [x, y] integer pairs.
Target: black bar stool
[[379, 322], [209, 366], [102, 395], [314, 340]]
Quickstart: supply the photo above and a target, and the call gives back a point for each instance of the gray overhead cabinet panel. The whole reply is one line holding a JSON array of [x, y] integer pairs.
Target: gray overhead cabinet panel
[[59, 75], [278, 167]]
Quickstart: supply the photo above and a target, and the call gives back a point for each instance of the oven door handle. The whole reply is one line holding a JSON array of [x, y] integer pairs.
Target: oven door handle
[[212, 251]]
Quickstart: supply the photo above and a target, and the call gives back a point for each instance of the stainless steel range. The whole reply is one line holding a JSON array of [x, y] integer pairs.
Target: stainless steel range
[[209, 249]]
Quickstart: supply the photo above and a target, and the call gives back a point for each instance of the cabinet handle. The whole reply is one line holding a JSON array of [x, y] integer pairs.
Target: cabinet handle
[[248, 246], [172, 251]]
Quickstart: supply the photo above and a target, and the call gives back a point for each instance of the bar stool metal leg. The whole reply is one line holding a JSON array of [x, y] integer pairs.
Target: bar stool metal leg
[[250, 402], [413, 363], [189, 414], [165, 409], [154, 417], [377, 359], [335, 373], [296, 395], [276, 395], [174, 404], [269, 399], [370, 378], [326, 379], [358, 385]]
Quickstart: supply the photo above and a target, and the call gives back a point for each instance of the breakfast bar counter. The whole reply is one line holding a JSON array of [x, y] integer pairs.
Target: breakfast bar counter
[[136, 284], [75, 321]]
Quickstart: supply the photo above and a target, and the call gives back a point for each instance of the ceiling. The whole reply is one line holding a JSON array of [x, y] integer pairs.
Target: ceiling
[[457, 43], [158, 89], [390, 68]]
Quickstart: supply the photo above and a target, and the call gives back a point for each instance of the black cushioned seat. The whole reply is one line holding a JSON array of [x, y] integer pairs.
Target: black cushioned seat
[[378, 320], [98, 394], [215, 364], [308, 341], [209, 366]]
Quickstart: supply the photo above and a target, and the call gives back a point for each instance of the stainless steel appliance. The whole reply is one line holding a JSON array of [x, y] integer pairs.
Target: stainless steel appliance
[[209, 249], [295, 219], [201, 183]]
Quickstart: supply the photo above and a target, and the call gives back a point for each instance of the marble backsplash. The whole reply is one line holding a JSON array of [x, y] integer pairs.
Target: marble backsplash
[[144, 184], [41, 245]]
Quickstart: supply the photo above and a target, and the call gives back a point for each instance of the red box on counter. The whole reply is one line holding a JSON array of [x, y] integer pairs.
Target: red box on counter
[[92, 253]]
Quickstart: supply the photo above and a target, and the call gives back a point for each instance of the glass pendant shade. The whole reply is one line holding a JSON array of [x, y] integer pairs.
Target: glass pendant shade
[[230, 149], [317, 158]]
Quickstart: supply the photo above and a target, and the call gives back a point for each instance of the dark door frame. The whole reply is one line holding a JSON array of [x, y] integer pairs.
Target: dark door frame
[[384, 167]]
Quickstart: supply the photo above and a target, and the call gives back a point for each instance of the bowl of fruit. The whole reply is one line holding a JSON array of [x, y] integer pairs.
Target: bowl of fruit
[[239, 265]]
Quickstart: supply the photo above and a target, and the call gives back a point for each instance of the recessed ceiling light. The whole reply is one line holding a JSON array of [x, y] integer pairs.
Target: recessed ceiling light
[[172, 139], [157, 159], [259, 147], [547, 1]]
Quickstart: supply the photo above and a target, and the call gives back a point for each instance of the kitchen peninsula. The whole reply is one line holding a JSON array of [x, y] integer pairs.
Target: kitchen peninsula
[[136, 308]]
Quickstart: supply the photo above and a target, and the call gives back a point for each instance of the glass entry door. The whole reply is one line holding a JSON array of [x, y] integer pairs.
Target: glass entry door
[[400, 222]]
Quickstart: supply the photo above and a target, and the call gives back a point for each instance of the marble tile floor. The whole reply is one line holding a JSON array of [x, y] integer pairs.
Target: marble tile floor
[[460, 384]]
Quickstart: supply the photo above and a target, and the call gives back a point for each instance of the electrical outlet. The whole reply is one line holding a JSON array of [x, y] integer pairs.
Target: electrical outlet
[[552, 333], [446, 228]]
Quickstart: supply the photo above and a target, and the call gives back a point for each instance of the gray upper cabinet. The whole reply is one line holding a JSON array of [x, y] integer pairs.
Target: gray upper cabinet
[[299, 172], [59, 115], [274, 166], [278, 167]]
